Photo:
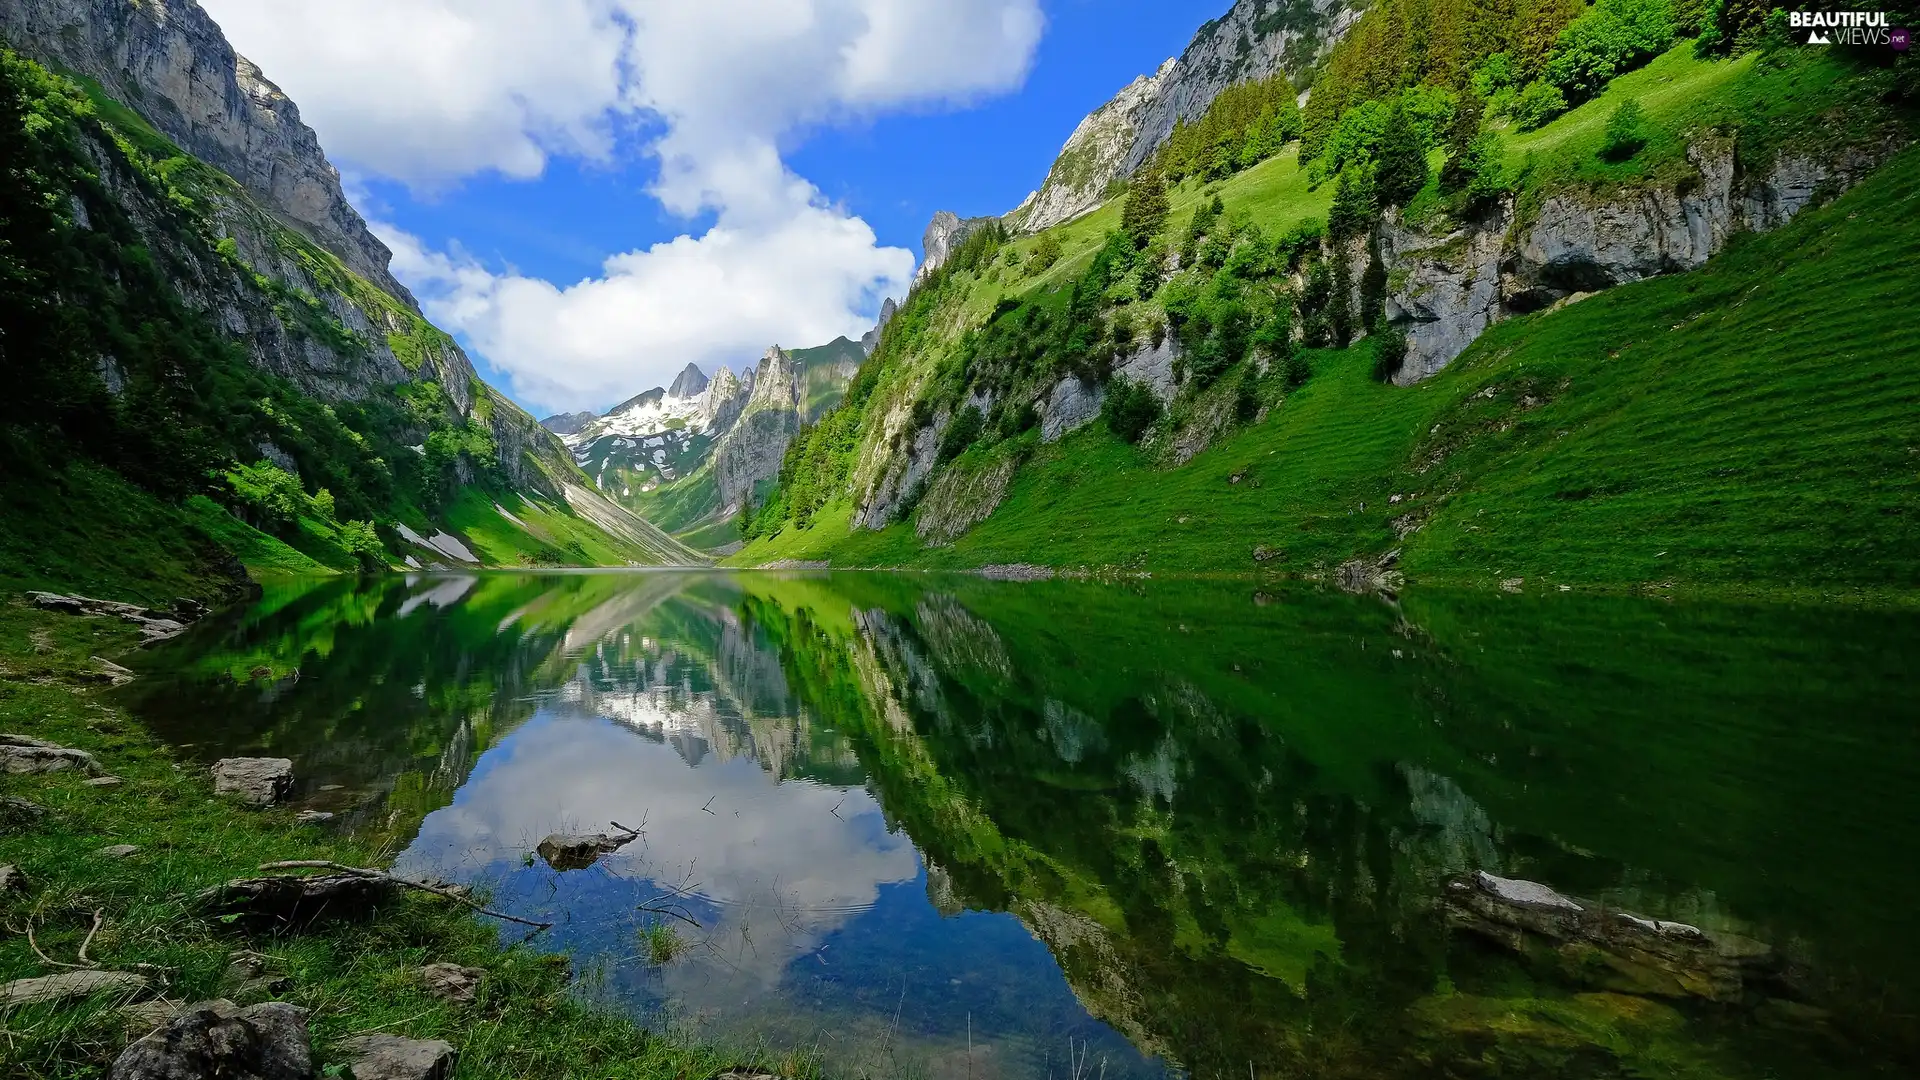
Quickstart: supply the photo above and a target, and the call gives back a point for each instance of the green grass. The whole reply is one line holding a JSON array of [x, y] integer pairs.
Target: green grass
[[355, 978], [1756, 422], [546, 534]]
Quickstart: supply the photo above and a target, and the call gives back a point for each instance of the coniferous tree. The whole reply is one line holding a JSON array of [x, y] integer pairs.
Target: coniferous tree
[[1353, 207], [1460, 135], [1340, 305], [1145, 211], [1402, 169]]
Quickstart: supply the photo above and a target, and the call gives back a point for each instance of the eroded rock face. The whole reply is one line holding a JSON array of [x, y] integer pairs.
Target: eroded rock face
[[257, 782], [282, 903], [390, 1057], [173, 59], [219, 1039], [1444, 290], [870, 340], [751, 451], [943, 236]]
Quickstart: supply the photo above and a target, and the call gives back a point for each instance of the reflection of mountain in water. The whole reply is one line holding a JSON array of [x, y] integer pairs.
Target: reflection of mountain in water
[[1231, 823]]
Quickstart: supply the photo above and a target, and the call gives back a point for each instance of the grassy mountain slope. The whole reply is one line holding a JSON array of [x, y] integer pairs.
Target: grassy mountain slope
[[1753, 421], [193, 381]]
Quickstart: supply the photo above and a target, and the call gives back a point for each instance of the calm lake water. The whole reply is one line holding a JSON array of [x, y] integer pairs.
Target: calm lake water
[[952, 828]]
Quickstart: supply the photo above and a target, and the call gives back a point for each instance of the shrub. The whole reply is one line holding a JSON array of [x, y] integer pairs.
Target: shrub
[[962, 432], [1626, 132], [1130, 409], [1486, 168], [1614, 36], [1046, 252], [1539, 103], [363, 543], [268, 497], [1390, 351]]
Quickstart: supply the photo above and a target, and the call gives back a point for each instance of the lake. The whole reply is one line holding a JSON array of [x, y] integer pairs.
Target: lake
[[947, 827]]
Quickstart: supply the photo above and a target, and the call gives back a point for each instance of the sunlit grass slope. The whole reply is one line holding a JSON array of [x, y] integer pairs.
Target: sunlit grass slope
[[1756, 421]]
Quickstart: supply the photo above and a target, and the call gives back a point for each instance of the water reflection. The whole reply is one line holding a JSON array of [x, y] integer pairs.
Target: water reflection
[[955, 827]]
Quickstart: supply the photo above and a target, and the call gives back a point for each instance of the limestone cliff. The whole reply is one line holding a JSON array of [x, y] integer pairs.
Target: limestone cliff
[[750, 453], [944, 234], [1254, 40], [1445, 288], [170, 61]]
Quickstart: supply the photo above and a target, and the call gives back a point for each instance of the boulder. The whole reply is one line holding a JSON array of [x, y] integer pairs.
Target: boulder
[[118, 851], [68, 985], [20, 754], [452, 982], [577, 851], [255, 781], [221, 1039], [17, 813], [12, 880], [285, 902], [390, 1057], [155, 625]]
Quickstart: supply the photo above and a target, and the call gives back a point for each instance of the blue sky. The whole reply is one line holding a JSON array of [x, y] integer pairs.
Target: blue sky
[[591, 193]]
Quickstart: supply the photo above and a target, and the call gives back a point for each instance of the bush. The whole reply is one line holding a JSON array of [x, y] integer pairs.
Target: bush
[[363, 543], [961, 433], [1614, 36], [1539, 103], [1390, 351], [1130, 409], [1626, 132], [1046, 252], [1485, 168], [269, 497]]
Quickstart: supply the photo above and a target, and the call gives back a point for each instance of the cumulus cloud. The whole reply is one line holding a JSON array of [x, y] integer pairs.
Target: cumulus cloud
[[799, 279], [430, 91]]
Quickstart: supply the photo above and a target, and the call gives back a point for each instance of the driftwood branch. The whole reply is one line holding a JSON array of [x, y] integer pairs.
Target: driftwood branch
[[84, 965], [382, 875]]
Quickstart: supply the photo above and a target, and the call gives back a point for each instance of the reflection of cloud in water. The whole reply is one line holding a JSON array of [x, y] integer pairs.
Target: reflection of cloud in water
[[780, 863]]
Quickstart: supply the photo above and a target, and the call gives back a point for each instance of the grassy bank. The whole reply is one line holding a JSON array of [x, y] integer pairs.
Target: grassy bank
[[356, 978]]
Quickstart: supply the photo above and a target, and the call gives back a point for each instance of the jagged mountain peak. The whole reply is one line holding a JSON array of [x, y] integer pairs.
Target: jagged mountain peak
[[173, 64], [568, 423], [689, 382]]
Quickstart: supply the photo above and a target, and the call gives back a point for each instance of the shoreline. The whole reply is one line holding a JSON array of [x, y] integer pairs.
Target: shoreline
[[354, 977]]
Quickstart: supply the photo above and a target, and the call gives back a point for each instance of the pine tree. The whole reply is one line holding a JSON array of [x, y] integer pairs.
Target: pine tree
[[1340, 305], [1460, 135], [1353, 209], [1402, 170], [1145, 211]]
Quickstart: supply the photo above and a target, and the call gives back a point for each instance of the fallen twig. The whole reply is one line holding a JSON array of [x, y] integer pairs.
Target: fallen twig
[[97, 921], [84, 964], [437, 890]]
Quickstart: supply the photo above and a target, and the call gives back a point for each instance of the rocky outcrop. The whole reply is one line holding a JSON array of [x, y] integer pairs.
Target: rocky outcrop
[[944, 234], [22, 754], [569, 423], [870, 340], [1254, 40], [750, 452], [1094, 154], [172, 64], [689, 382], [1445, 289], [961, 498], [1073, 403]]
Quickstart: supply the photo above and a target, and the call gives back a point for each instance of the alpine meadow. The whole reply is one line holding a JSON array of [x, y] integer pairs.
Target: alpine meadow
[[1399, 558]]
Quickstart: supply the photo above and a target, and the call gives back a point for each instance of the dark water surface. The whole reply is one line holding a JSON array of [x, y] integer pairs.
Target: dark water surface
[[952, 828]]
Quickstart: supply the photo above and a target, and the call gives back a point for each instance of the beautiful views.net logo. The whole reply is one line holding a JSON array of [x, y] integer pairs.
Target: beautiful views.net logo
[[1849, 28]]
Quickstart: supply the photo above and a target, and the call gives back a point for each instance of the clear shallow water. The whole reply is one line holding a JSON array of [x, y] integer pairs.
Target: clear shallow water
[[953, 828]]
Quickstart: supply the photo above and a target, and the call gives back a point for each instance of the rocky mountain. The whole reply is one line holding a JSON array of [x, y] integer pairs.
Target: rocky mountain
[[183, 150], [687, 454], [1253, 40], [174, 65], [870, 340]]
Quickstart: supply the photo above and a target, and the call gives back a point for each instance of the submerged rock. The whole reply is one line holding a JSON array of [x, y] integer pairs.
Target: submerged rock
[[68, 985], [256, 781], [1615, 950], [220, 1039], [21, 754], [577, 851], [390, 1057], [285, 902]]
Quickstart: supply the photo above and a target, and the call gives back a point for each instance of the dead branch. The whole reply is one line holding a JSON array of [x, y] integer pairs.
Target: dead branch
[[98, 919], [382, 875]]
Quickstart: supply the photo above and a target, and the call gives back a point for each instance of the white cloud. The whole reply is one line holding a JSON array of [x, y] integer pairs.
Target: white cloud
[[430, 91], [799, 279]]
